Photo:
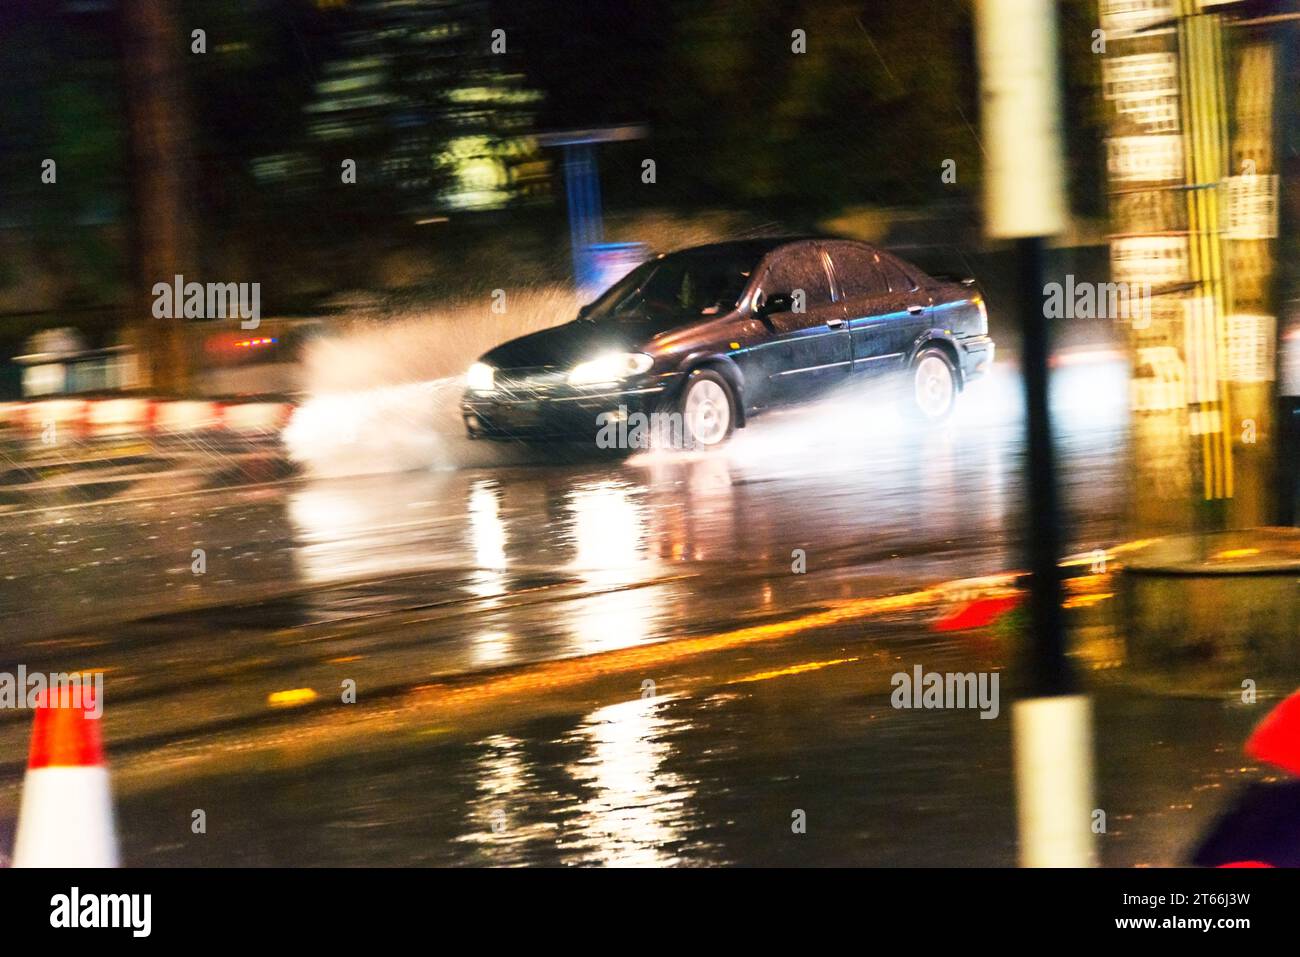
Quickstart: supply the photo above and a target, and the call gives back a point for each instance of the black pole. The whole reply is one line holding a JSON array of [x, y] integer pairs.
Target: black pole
[[1049, 668]]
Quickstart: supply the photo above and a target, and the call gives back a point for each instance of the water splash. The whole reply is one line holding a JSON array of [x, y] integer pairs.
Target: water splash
[[384, 393]]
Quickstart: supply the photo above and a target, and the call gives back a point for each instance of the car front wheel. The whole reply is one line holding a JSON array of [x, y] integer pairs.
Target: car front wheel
[[708, 410]]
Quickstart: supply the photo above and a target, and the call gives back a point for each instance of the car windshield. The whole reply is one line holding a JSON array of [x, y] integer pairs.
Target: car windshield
[[679, 285]]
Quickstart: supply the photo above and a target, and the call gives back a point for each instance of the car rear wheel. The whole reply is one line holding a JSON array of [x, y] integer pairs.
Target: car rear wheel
[[934, 384], [708, 410]]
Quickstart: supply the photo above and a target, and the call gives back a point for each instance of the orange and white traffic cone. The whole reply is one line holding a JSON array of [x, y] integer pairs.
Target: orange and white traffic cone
[[65, 818]]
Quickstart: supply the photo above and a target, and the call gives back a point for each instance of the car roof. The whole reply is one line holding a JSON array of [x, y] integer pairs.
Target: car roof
[[756, 248], [759, 247]]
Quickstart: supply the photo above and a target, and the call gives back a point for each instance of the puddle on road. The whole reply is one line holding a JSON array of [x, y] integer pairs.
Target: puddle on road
[[716, 777]]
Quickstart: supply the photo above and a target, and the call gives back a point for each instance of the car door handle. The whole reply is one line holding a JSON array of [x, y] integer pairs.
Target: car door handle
[[834, 323], [916, 310]]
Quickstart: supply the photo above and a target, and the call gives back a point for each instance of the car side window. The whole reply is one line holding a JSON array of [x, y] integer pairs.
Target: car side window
[[800, 268], [856, 272], [899, 280]]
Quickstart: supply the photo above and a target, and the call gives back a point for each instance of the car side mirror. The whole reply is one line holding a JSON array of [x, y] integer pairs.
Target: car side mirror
[[775, 304]]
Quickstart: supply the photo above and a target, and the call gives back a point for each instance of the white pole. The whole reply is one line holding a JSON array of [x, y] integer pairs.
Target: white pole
[[1024, 196], [1053, 766]]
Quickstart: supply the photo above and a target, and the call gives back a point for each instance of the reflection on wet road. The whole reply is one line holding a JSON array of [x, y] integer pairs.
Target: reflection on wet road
[[855, 487], [708, 777], [437, 591]]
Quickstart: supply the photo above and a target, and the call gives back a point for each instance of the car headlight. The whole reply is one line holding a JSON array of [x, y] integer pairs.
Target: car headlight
[[610, 368], [480, 377]]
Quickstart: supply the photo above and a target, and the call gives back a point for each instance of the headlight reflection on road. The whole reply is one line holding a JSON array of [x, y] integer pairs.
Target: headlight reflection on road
[[491, 648], [488, 538], [637, 810], [705, 521], [624, 809], [371, 527], [608, 532], [609, 551], [364, 527], [505, 785]]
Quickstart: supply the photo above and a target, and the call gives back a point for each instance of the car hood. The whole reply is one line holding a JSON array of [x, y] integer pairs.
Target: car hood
[[567, 345]]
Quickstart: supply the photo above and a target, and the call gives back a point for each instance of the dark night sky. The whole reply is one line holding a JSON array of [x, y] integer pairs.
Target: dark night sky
[[597, 61]]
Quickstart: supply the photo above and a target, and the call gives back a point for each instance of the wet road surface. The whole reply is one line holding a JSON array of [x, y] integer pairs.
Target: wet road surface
[[499, 624]]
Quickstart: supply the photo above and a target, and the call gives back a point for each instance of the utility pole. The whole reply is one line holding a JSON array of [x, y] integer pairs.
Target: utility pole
[[1025, 202], [158, 152]]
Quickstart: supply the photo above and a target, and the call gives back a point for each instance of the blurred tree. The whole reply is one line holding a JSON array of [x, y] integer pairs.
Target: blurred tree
[[882, 96], [159, 149], [332, 126], [57, 102], [247, 93], [412, 92], [433, 88], [1085, 118]]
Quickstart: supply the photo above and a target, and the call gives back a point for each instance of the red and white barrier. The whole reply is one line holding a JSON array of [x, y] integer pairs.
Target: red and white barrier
[[187, 416], [136, 415], [252, 417]]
